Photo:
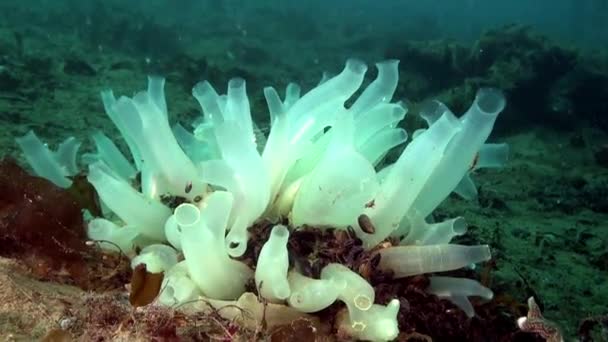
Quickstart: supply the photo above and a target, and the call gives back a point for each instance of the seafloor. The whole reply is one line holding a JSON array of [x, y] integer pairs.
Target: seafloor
[[545, 214]]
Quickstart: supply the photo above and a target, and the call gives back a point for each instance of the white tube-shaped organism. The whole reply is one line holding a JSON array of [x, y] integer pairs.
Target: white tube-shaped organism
[[109, 104], [173, 232], [466, 188], [156, 92], [246, 175], [325, 76], [379, 323], [43, 161], [407, 177], [186, 215], [197, 150], [204, 246], [66, 155], [492, 155], [146, 214], [384, 115], [208, 99], [273, 101], [237, 106], [285, 198], [318, 108], [157, 258], [111, 155], [459, 157], [292, 95], [273, 264], [421, 233], [432, 110], [104, 231], [177, 287], [182, 218], [457, 290], [380, 90], [329, 196], [144, 120], [447, 286], [248, 182], [375, 148], [310, 157], [407, 261], [276, 158], [357, 292], [312, 295]]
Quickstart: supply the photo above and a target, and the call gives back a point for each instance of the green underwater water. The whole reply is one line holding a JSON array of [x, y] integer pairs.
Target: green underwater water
[[545, 215]]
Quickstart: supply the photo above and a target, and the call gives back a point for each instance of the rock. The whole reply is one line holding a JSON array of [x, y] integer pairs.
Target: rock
[[77, 66]]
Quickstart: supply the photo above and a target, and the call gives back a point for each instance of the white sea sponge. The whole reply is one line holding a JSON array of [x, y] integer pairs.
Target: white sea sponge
[[407, 261], [56, 166], [320, 165], [157, 258], [272, 266], [177, 287], [146, 214], [355, 291], [312, 295], [203, 243], [379, 323]]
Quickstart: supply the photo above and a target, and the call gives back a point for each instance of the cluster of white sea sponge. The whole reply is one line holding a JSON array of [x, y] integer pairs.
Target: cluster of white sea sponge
[[320, 165]]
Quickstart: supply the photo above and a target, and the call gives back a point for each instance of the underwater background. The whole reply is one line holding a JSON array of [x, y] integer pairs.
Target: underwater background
[[545, 215]]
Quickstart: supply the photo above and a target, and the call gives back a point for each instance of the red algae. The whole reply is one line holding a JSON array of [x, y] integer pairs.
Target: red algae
[[40, 223], [42, 227]]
